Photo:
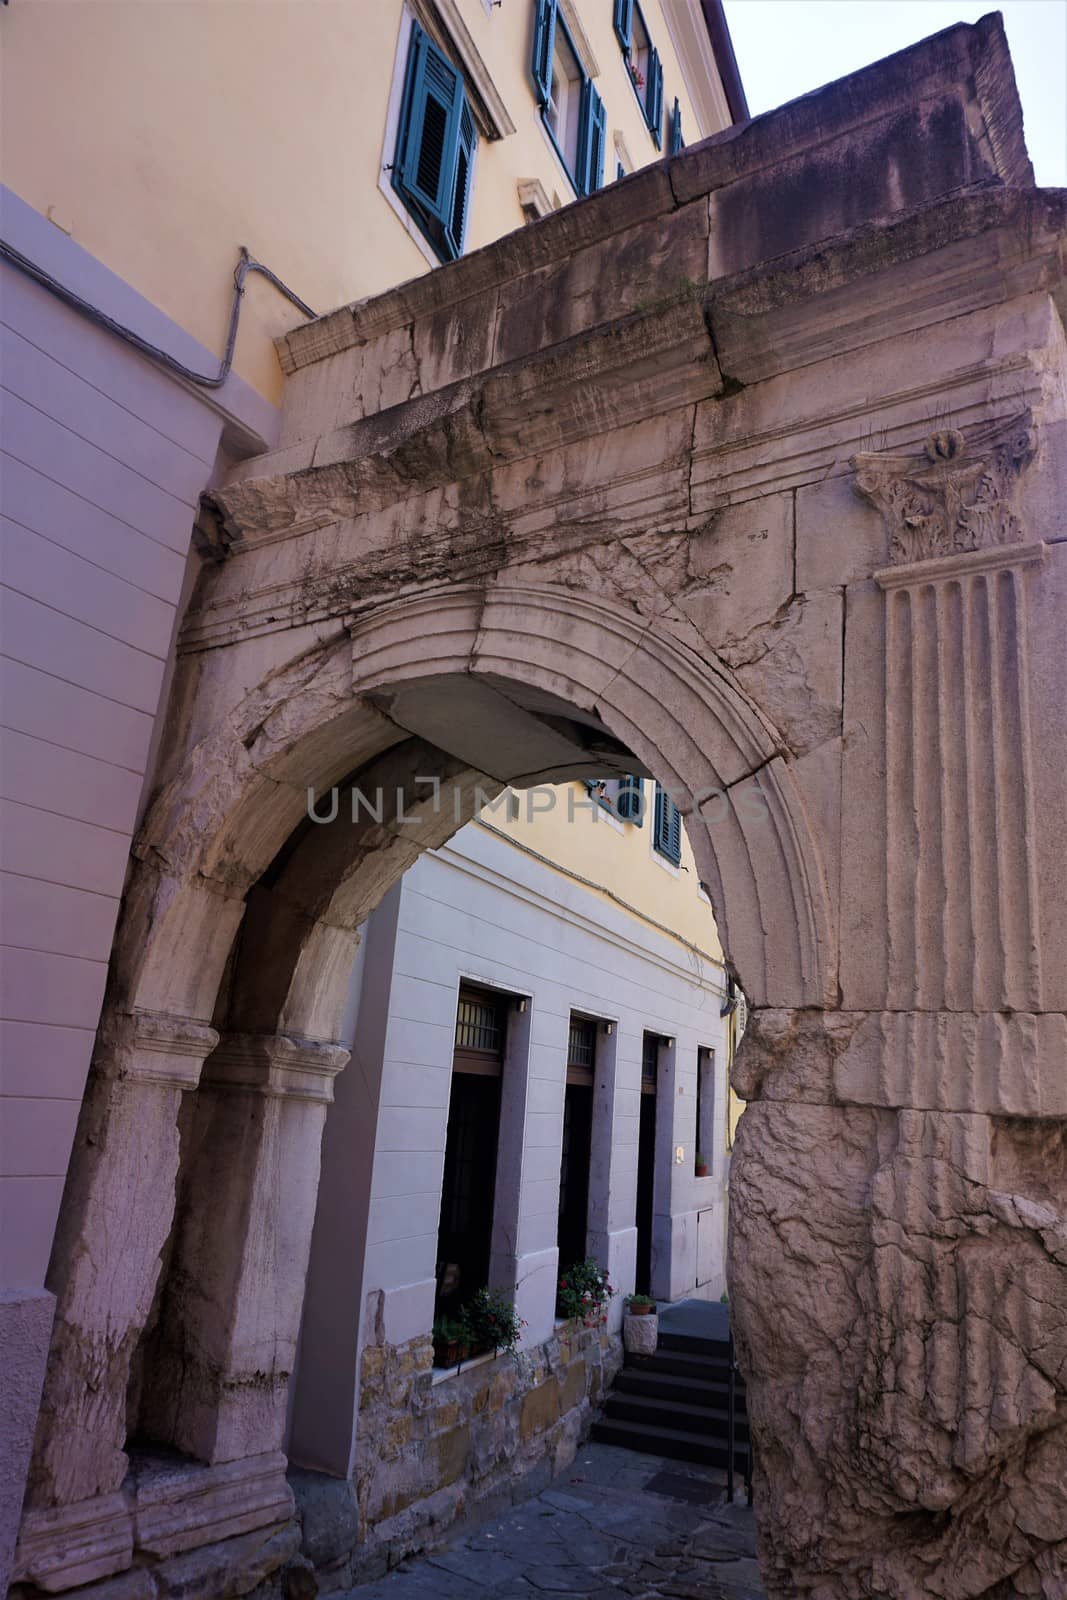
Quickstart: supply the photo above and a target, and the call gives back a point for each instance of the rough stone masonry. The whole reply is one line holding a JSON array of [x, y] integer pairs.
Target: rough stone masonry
[[748, 472]]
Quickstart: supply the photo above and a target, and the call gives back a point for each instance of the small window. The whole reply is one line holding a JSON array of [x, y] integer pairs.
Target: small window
[[563, 111], [649, 1062], [581, 1050], [571, 108], [643, 64], [676, 142], [667, 829], [621, 797], [435, 147], [481, 1031], [630, 800], [705, 1109]]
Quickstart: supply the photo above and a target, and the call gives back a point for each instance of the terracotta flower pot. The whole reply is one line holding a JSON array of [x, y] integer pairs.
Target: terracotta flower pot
[[702, 1170], [640, 1311]]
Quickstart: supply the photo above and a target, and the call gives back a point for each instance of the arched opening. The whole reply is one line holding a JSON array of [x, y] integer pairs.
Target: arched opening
[[212, 1373], [248, 927]]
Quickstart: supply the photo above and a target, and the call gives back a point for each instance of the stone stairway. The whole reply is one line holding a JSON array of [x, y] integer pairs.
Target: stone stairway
[[676, 1403]]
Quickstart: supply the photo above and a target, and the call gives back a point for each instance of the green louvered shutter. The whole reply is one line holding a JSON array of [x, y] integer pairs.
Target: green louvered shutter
[[624, 22], [543, 48], [630, 804], [468, 138], [430, 128], [654, 95], [592, 135], [677, 142], [667, 837]]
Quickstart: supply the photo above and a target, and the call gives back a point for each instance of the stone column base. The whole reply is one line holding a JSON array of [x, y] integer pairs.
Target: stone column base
[[166, 1507]]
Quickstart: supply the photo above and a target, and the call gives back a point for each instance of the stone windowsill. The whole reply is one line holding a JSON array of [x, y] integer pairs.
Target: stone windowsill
[[441, 1373]]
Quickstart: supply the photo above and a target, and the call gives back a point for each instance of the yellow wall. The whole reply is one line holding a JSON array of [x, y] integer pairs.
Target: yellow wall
[[163, 134], [615, 857]]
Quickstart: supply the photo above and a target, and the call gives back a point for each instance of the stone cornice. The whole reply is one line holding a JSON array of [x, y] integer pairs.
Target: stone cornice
[[978, 248], [643, 364], [966, 564], [277, 1066], [166, 1050], [972, 60]]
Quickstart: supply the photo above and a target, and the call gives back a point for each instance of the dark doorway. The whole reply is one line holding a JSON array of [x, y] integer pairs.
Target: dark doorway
[[646, 1162], [577, 1142], [465, 1233]]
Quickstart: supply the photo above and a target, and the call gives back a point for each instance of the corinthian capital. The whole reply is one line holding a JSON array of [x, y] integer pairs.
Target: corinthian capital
[[956, 496]]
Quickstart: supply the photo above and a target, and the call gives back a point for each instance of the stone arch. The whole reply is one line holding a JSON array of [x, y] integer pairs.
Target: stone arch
[[221, 819]]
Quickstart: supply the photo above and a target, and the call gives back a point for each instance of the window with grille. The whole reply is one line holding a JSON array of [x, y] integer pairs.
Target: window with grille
[[481, 1031], [581, 1043], [581, 1051], [649, 1062], [435, 146]]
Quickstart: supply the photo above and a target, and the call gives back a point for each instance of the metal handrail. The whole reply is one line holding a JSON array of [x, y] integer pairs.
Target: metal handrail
[[731, 1430], [731, 1425]]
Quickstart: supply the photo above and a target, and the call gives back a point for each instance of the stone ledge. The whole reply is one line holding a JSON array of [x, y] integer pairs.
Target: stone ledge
[[73, 1545], [167, 1506]]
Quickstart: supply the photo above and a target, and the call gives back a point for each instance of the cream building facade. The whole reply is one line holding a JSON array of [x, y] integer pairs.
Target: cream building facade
[[504, 499], [142, 146]]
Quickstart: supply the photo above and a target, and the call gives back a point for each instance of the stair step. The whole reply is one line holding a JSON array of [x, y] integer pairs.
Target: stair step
[[678, 1443], [714, 1424], [693, 1392], [709, 1369], [695, 1344]]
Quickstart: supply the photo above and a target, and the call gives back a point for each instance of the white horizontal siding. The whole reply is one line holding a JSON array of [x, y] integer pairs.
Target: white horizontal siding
[[105, 459]]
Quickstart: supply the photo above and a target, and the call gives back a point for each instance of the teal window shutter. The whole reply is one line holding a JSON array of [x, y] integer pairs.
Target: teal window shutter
[[468, 137], [654, 94], [624, 22], [631, 802], [544, 48], [435, 147], [429, 139], [591, 140], [677, 142], [667, 828]]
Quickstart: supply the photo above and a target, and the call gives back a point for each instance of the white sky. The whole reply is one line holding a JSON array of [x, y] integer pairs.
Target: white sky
[[787, 47]]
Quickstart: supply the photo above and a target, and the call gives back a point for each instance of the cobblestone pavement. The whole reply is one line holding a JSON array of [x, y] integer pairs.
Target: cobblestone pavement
[[614, 1524]]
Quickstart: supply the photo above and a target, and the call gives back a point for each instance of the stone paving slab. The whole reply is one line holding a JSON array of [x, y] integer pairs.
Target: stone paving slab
[[600, 1533]]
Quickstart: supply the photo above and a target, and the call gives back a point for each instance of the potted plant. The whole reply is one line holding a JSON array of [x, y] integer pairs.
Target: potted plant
[[583, 1292], [701, 1166], [640, 1305], [450, 1345], [491, 1322]]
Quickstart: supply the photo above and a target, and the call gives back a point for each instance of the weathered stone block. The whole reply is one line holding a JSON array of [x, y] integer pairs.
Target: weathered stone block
[[574, 1385], [446, 1413], [328, 1515], [447, 1456], [232, 1568], [640, 1334], [502, 1388], [540, 1408]]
